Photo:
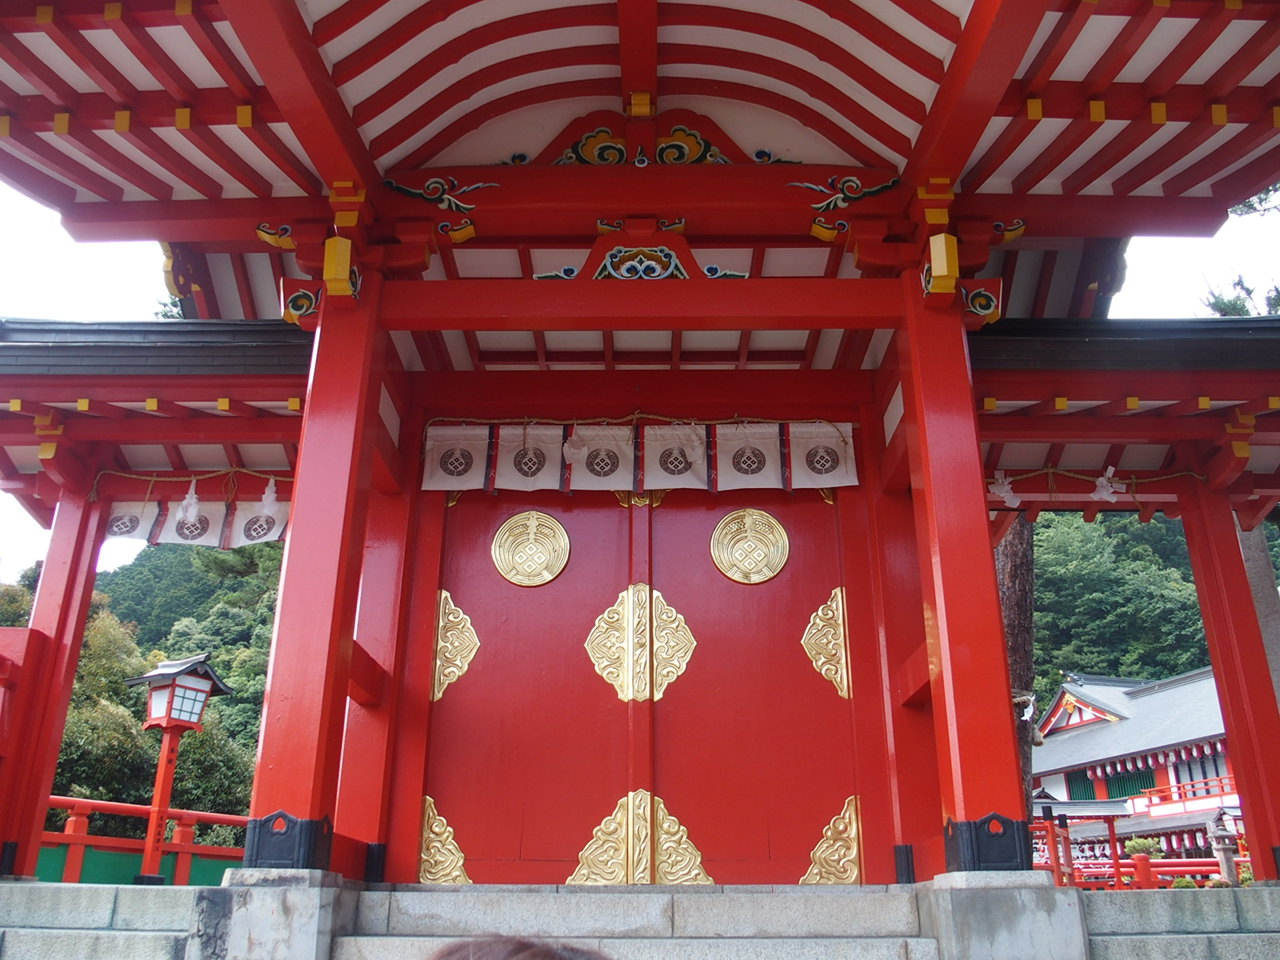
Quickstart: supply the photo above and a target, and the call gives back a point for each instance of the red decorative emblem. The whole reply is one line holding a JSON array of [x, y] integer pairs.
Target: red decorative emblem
[[602, 462], [123, 524], [749, 460], [822, 460], [257, 527]]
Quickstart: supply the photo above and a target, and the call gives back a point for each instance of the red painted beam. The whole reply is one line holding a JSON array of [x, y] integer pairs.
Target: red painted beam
[[995, 38], [1140, 428], [638, 49], [701, 393], [769, 304], [149, 52], [279, 43]]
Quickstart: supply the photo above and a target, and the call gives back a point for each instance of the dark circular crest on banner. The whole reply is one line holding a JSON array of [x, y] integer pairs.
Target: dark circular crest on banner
[[822, 460], [529, 461], [457, 461], [258, 527], [749, 460], [192, 529], [602, 462], [675, 461], [123, 524]]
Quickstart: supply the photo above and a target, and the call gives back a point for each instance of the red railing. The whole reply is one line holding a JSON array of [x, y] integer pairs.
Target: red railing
[[76, 837], [1192, 789]]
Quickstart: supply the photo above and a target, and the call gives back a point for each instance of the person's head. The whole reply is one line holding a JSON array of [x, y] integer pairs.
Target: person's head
[[513, 948]]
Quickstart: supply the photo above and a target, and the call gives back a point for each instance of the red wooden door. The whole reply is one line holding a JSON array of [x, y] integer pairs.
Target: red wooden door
[[528, 747], [533, 751], [753, 747]]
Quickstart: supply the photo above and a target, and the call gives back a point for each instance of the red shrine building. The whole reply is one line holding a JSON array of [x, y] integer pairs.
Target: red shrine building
[[663, 373]]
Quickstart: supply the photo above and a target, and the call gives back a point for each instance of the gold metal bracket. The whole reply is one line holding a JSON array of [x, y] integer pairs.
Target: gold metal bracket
[[640, 645], [640, 842]]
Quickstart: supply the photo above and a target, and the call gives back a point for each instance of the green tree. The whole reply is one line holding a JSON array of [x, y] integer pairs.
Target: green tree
[[162, 585], [1109, 603], [15, 605]]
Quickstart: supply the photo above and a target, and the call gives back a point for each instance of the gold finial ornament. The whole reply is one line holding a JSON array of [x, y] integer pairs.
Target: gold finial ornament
[[837, 857], [640, 645], [456, 645], [826, 641], [621, 850], [749, 546], [441, 859], [530, 549]]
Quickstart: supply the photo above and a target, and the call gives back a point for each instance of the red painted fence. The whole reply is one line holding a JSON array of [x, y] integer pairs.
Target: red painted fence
[[76, 836]]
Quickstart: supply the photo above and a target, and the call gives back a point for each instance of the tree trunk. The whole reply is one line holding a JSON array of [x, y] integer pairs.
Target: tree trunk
[[1015, 572], [1262, 582]]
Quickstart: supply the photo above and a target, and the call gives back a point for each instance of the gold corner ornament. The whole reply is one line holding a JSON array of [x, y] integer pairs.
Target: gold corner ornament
[[837, 857], [530, 549], [826, 641], [441, 859], [640, 842], [456, 645], [749, 546], [640, 645]]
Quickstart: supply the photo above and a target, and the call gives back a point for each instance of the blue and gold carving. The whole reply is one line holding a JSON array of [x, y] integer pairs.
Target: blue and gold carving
[[981, 302], [599, 147], [1008, 232], [281, 236], [714, 272], [684, 145], [641, 263]]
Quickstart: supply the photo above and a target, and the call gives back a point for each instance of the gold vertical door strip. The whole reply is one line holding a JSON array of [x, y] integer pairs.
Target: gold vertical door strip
[[624, 850], [441, 859], [456, 645], [826, 641], [838, 857], [641, 644]]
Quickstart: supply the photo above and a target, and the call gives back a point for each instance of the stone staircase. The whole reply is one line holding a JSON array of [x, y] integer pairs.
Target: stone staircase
[[646, 923], [73, 921], [1184, 924]]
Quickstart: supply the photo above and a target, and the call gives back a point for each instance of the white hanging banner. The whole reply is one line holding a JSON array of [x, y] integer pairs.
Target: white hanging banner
[[748, 455], [457, 457], [256, 523], [675, 456], [822, 455], [132, 521], [601, 458], [203, 527], [529, 457]]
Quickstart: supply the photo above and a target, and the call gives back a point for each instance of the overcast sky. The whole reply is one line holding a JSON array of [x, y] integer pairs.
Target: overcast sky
[[47, 276]]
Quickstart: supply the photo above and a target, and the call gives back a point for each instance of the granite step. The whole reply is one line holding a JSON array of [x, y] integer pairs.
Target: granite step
[[671, 948], [1209, 946], [30, 943]]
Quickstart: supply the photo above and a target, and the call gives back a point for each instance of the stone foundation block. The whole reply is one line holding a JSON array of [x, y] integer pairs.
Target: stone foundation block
[[1258, 908], [1003, 916]]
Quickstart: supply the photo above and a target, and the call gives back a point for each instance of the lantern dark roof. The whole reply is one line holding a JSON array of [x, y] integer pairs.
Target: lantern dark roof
[[172, 669]]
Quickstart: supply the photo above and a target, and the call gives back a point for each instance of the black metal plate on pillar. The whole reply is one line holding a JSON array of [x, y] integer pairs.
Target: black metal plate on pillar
[[8, 857], [279, 841], [904, 859], [375, 862], [992, 843]]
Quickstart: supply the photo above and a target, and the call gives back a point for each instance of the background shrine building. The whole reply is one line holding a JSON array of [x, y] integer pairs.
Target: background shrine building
[[641, 215]]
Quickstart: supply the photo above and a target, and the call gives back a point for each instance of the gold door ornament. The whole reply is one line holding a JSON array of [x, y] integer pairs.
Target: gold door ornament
[[749, 546], [441, 859], [640, 842], [837, 857], [826, 641], [640, 645], [456, 645], [530, 549]]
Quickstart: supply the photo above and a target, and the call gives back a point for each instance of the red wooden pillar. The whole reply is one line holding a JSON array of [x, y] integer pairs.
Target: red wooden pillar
[[409, 760], [295, 787], [909, 801], [364, 784], [58, 616], [968, 673], [1239, 668]]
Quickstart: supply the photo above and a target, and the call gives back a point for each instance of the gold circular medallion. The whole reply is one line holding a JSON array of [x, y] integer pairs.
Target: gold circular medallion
[[530, 549], [749, 546]]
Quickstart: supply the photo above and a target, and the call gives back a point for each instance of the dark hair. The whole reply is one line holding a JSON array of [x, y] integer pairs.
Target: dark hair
[[512, 948]]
